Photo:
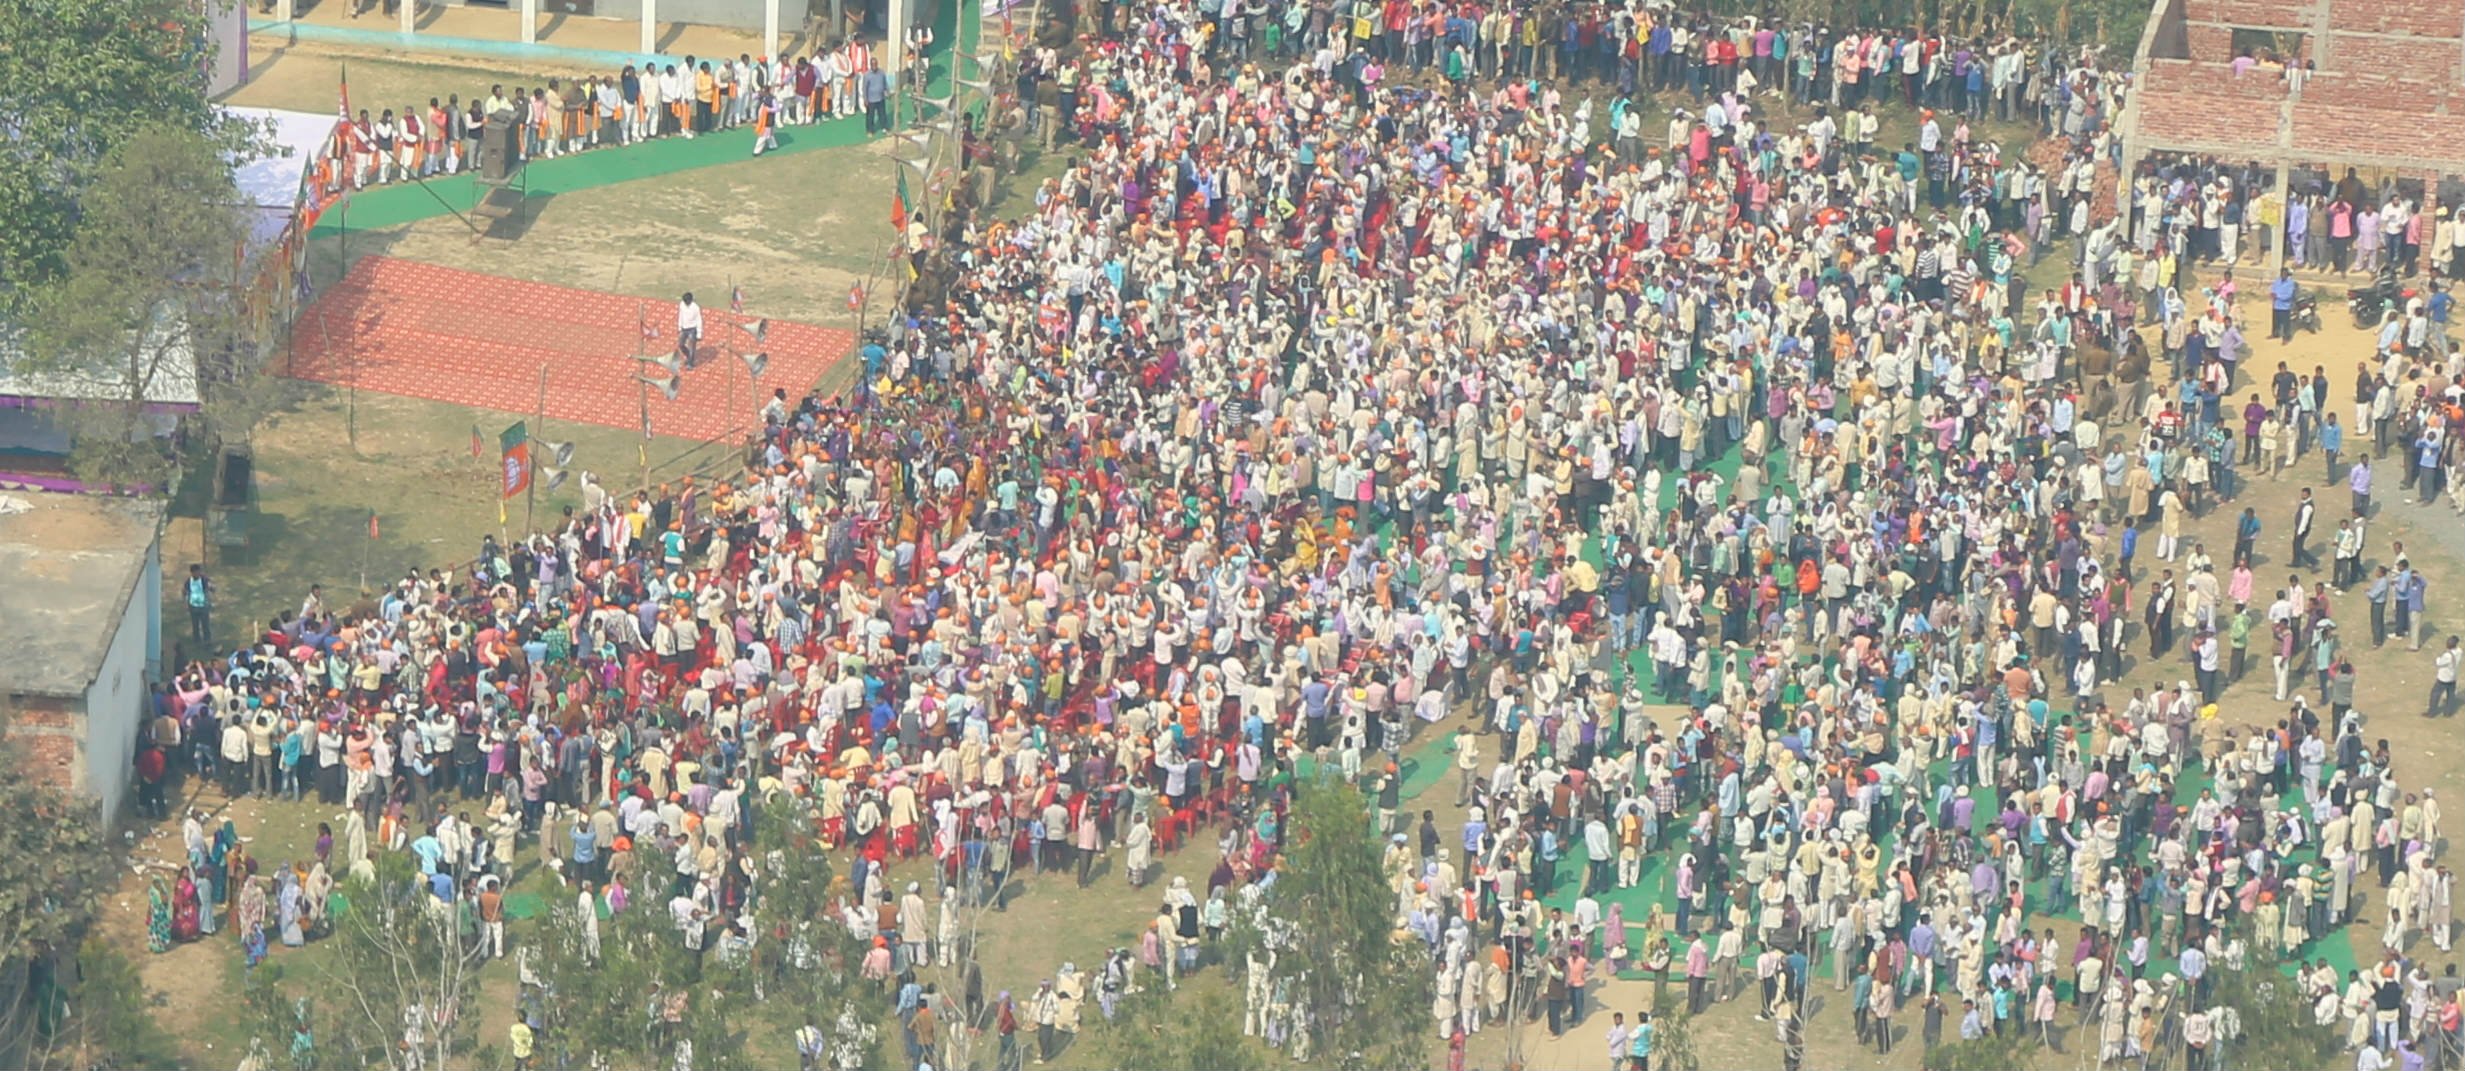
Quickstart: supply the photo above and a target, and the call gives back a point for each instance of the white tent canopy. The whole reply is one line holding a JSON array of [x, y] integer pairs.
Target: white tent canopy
[[272, 182]]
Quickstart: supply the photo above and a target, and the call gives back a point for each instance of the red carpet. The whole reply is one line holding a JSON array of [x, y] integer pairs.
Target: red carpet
[[423, 331]]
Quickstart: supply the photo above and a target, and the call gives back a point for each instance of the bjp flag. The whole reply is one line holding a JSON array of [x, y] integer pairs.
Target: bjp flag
[[515, 448]]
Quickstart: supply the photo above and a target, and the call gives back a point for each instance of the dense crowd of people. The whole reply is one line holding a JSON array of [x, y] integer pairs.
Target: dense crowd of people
[[1310, 405]]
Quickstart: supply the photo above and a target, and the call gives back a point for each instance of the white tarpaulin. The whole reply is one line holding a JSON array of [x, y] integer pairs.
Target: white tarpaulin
[[272, 182]]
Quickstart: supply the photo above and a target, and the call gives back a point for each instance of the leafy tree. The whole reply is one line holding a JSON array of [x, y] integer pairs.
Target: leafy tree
[[1152, 1030], [54, 863], [634, 995], [398, 991], [806, 957], [1993, 1052], [150, 295], [1367, 994], [101, 1017], [79, 79], [2266, 1023], [1673, 1032]]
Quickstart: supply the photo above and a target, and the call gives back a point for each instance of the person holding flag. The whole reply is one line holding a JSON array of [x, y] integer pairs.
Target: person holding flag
[[765, 122]]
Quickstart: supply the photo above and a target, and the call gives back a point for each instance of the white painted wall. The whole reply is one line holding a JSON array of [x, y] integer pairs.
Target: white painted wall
[[116, 701]]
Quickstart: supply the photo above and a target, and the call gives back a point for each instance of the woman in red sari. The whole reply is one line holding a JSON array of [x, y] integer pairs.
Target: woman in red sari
[[185, 910]]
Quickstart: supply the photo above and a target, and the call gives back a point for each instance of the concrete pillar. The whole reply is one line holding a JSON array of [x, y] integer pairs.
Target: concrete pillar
[[894, 47], [287, 10], [530, 22], [410, 16], [650, 27], [838, 26], [2285, 193], [770, 29]]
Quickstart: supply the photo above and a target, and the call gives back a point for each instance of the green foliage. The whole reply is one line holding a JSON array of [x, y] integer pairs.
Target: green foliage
[[2276, 1027], [806, 958], [1993, 1052], [107, 1017], [1367, 994], [150, 294], [1150, 1030], [2112, 23], [1673, 1032], [78, 79], [399, 957], [53, 859]]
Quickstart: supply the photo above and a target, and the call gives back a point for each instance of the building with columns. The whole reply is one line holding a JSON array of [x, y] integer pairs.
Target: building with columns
[[2377, 86]]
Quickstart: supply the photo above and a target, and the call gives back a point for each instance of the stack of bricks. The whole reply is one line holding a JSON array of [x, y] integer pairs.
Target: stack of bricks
[[2049, 156]]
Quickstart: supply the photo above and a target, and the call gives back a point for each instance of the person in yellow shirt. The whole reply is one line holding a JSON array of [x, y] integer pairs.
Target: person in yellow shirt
[[2268, 222], [705, 98], [523, 1043]]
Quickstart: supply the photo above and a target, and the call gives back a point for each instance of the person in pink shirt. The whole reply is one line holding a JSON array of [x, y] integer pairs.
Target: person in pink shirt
[[1698, 974], [1578, 974]]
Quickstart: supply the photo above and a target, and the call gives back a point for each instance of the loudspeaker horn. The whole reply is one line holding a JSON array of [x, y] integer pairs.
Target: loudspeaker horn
[[755, 362], [668, 361], [558, 453], [551, 477], [666, 386], [759, 329]]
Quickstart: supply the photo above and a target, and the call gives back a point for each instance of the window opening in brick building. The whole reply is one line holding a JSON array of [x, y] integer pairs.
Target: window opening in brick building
[[2272, 49]]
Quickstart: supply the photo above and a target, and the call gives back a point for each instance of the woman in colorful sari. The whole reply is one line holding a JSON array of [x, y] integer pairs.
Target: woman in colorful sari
[[248, 914], [218, 863], [158, 917], [318, 891], [187, 914], [241, 872], [1613, 939], [252, 942], [291, 909]]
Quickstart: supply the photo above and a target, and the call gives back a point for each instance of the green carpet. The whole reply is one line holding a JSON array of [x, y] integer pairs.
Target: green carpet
[[527, 905], [1657, 880], [386, 207], [1423, 768]]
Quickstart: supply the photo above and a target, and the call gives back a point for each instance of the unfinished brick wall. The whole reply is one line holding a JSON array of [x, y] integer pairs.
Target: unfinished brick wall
[[2188, 102], [2397, 16], [2288, 13], [2389, 91], [48, 735]]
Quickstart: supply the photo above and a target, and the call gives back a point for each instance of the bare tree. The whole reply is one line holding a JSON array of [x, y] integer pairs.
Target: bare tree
[[398, 991]]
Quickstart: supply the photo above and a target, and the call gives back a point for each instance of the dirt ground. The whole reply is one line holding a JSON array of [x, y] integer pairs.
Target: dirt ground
[[796, 233], [2391, 686]]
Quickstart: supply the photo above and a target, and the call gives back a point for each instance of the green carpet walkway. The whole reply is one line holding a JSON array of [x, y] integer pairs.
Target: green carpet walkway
[[1657, 884], [386, 207]]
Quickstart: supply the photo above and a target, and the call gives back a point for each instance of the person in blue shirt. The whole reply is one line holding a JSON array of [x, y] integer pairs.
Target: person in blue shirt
[[2331, 441], [431, 852], [2281, 306], [2427, 474], [1639, 1044], [2437, 308]]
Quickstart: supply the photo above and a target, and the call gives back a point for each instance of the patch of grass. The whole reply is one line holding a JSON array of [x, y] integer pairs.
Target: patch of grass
[[409, 464]]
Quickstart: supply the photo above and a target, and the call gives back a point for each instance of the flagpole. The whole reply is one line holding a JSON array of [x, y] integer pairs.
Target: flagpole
[[530, 487], [736, 323], [641, 316]]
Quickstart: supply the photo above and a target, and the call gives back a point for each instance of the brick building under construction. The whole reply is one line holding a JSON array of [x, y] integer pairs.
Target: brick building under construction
[[2377, 86]]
